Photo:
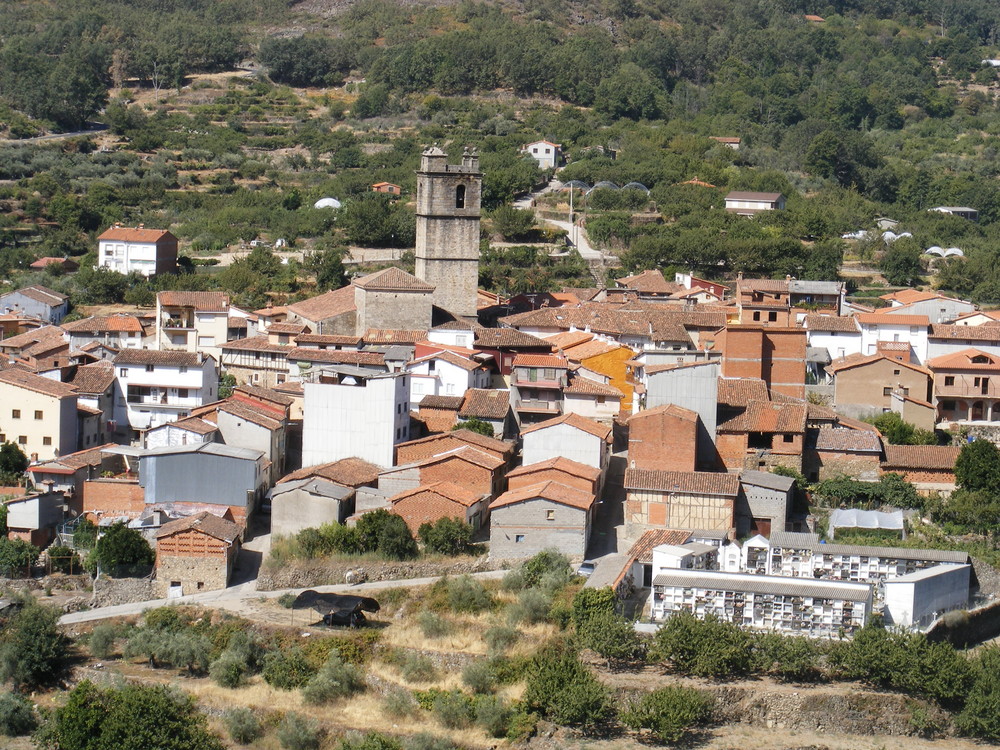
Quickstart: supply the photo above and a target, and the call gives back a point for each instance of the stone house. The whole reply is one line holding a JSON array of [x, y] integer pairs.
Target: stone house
[[929, 467], [308, 503], [118, 331], [763, 435], [863, 384], [559, 469], [330, 313], [37, 301], [680, 500], [392, 298], [663, 438], [768, 499], [526, 520], [196, 553], [416, 450], [591, 398], [836, 452], [429, 503], [43, 351], [570, 436]]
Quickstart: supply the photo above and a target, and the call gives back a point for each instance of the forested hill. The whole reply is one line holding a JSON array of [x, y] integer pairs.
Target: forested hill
[[875, 108]]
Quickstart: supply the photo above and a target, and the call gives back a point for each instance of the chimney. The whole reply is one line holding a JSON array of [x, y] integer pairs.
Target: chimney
[[788, 277]]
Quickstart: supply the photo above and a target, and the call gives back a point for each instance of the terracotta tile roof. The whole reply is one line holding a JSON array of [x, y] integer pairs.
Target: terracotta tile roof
[[155, 357], [43, 294], [106, 323], [91, 410], [861, 360], [393, 279], [508, 338], [893, 346], [653, 369], [255, 344], [540, 360], [95, 378], [291, 328], [464, 453], [237, 322], [455, 325], [394, 336], [135, 234], [963, 361], [642, 550], [559, 463], [447, 490], [244, 410], [671, 409], [649, 282], [933, 457], [451, 358], [573, 420], [764, 416], [831, 323], [89, 457], [594, 348], [466, 436], [350, 472], [909, 296], [581, 386], [686, 482], [38, 384], [848, 441], [46, 336], [552, 491], [741, 391], [271, 310], [877, 319], [582, 293], [336, 356], [485, 403], [441, 402], [204, 301], [323, 339], [193, 424], [206, 523], [970, 333], [325, 306], [43, 263], [569, 338], [267, 394]]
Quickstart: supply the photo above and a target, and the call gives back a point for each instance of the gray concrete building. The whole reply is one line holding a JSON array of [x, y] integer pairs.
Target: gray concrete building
[[694, 386], [308, 503], [526, 520], [767, 500]]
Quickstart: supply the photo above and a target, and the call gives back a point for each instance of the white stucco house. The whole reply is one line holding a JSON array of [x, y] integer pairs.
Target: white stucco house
[[445, 374], [570, 436], [144, 251], [163, 386], [547, 154]]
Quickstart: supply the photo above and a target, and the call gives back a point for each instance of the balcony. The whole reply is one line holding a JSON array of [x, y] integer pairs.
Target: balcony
[[538, 406], [553, 384]]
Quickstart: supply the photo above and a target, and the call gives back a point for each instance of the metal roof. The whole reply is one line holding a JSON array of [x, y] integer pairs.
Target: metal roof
[[754, 584], [766, 479]]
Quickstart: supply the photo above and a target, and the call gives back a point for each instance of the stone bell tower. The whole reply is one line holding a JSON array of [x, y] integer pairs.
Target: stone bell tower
[[447, 251]]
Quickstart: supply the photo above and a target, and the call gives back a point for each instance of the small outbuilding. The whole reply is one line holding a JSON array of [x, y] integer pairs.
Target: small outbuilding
[[196, 553]]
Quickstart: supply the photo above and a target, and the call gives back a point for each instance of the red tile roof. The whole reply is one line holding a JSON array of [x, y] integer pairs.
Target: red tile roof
[[764, 416], [156, 357], [350, 472], [106, 323], [136, 234], [394, 280], [893, 320], [38, 384], [559, 463], [672, 409], [551, 490], [573, 420], [454, 403], [963, 361], [325, 306], [848, 441], [741, 391], [394, 336], [917, 457], [447, 490], [861, 360], [970, 333], [466, 436], [43, 294], [255, 344], [642, 550], [95, 378], [685, 482], [508, 338], [321, 339], [203, 301], [649, 282], [206, 523], [540, 360], [581, 386], [335, 356], [831, 323], [485, 403]]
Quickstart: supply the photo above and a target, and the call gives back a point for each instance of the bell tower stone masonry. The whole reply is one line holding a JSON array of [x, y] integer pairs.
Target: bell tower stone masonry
[[448, 212]]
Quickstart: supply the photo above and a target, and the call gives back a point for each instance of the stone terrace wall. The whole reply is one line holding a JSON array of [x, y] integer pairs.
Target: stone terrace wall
[[301, 574]]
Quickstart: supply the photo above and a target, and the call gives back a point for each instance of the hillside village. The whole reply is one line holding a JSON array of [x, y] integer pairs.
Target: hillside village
[[654, 428]]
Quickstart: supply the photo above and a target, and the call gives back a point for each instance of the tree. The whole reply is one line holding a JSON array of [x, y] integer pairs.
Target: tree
[[513, 223], [227, 384], [475, 424], [981, 715], [707, 648], [898, 432], [977, 468], [34, 651], [16, 557], [335, 679], [328, 265], [17, 715], [13, 462], [128, 718], [590, 603], [669, 712], [611, 636], [563, 690], [121, 550], [446, 536], [901, 264]]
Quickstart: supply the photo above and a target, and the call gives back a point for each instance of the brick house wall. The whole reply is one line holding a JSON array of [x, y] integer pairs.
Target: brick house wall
[[477, 479], [113, 497], [662, 441], [198, 561], [428, 507], [775, 355]]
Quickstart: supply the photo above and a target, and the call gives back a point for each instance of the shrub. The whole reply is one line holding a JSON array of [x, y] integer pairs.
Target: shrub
[[466, 594], [493, 715], [532, 606], [287, 669], [786, 657], [590, 602], [16, 557], [122, 551], [478, 675], [242, 724], [164, 618], [64, 560], [561, 689], [453, 710], [298, 733], [428, 741], [499, 638], [101, 642], [433, 625], [369, 741], [33, 651], [981, 715], [707, 648], [335, 679], [669, 712], [546, 561], [611, 636], [230, 670], [418, 668], [399, 703], [186, 650], [17, 715], [446, 536], [287, 600]]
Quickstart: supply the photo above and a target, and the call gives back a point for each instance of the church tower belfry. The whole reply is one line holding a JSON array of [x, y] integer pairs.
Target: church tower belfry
[[448, 212]]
